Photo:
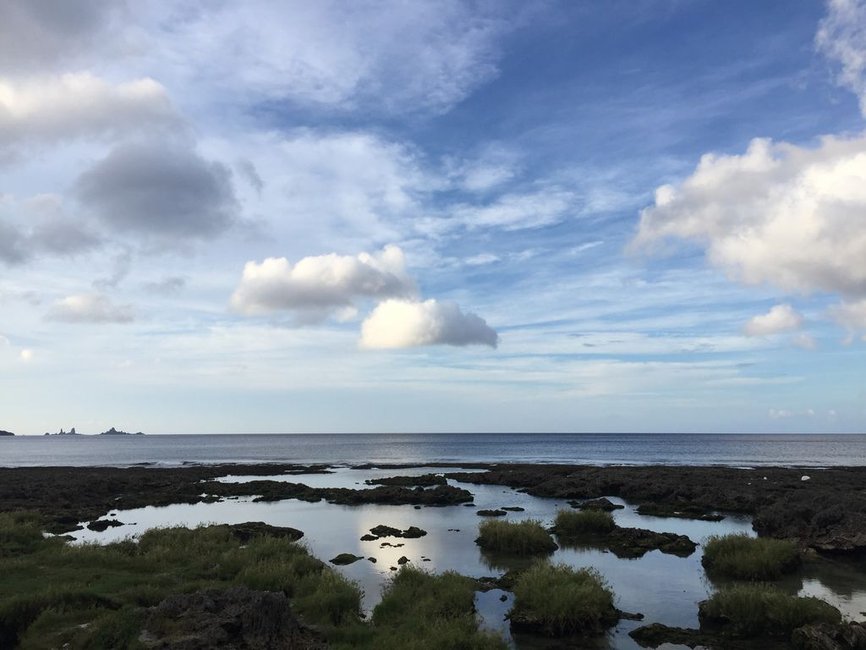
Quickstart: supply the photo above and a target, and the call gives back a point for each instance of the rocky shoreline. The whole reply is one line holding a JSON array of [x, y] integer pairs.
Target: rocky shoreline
[[823, 509]]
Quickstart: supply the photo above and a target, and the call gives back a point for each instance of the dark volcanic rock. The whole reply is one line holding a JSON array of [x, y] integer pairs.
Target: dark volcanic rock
[[103, 525], [387, 531], [345, 558], [491, 513], [656, 634], [403, 560], [6, 433], [425, 480], [513, 509], [687, 512], [237, 618], [596, 504], [246, 531], [368, 538], [783, 506], [633, 542], [845, 636]]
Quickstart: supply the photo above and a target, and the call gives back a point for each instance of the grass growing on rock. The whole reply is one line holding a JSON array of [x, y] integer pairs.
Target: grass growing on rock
[[573, 523], [557, 600], [91, 596], [420, 610], [750, 558], [526, 537], [762, 610]]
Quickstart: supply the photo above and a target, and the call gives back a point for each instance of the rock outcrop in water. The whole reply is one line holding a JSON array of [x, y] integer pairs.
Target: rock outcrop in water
[[827, 512]]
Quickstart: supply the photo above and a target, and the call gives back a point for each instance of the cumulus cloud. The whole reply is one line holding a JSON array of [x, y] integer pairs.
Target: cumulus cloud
[[160, 189], [73, 105], [780, 318], [780, 214], [90, 308], [406, 323], [323, 284], [842, 37]]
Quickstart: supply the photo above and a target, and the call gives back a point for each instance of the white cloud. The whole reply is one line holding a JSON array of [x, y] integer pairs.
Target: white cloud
[[851, 315], [780, 318], [74, 105], [842, 37], [404, 324], [391, 57], [518, 211], [780, 214], [322, 284], [90, 308]]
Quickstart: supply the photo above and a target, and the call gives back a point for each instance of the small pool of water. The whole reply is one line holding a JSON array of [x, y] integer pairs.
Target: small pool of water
[[665, 588]]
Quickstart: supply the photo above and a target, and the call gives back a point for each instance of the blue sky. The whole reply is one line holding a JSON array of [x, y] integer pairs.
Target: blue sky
[[433, 216]]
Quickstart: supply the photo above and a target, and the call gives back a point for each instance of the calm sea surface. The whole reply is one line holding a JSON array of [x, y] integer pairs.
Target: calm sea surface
[[669, 449]]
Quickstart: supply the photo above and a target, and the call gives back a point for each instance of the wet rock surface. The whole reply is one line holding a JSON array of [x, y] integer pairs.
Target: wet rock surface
[[597, 504], [246, 531], [847, 636], [237, 618], [345, 558], [101, 525], [425, 480], [827, 512], [67, 495], [491, 513]]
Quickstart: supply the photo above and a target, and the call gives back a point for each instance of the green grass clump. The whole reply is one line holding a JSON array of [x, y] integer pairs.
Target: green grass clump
[[515, 538], [750, 558], [557, 600], [420, 610], [20, 532], [751, 610], [573, 523], [105, 587]]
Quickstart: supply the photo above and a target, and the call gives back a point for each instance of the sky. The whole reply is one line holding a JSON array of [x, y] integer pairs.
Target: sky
[[395, 216]]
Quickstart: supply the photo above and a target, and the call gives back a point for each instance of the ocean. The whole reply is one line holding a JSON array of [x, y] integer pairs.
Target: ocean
[[739, 450]]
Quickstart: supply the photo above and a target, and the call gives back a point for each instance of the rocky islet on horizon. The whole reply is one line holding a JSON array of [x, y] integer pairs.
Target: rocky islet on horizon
[[110, 432]]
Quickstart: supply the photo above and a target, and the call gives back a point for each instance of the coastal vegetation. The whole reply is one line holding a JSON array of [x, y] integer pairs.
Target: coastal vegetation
[[526, 537], [750, 610], [89, 596], [422, 610], [556, 600], [570, 523], [749, 558], [53, 593]]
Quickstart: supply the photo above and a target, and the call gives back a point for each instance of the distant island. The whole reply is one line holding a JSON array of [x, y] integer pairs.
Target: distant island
[[71, 432], [114, 432], [111, 432], [6, 433]]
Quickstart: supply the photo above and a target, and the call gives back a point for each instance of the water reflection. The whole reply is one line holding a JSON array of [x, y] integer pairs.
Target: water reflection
[[665, 588]]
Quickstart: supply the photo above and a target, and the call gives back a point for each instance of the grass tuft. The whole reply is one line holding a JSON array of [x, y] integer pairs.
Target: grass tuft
[[756, 609], [750, 558], [515, 538], [420, 610], [558, 600], [573, 523]]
